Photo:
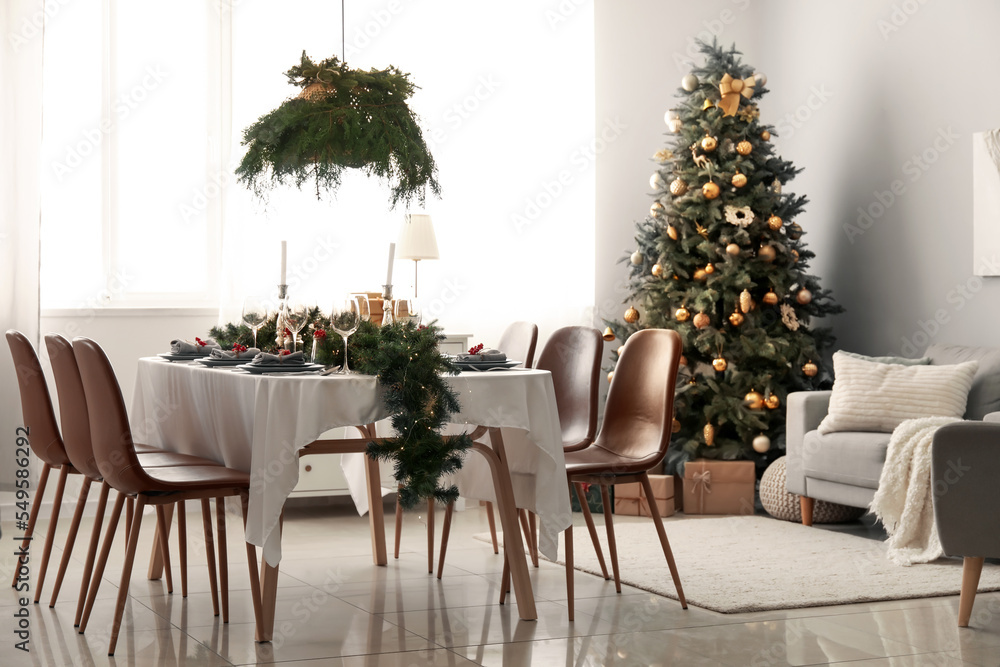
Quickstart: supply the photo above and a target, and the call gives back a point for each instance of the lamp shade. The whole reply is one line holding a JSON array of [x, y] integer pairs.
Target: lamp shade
[[416, 238]]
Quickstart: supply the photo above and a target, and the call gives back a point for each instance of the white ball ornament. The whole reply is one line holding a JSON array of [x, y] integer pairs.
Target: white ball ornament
[[689, 82], [656, 181], [670, 116], [761, 443], [760, 78], [637, 258]]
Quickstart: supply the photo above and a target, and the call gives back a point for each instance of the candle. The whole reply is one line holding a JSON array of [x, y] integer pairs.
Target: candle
[[392, 252], [284, 250]]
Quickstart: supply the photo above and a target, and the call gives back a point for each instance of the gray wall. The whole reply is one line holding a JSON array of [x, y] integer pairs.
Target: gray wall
[[863, 95]]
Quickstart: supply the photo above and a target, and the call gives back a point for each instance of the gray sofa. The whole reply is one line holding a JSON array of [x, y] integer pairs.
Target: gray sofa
[[845, 467]]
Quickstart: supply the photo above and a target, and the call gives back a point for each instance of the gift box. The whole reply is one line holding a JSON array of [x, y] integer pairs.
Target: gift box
[[719, 487], [630, 499], [593, 497]]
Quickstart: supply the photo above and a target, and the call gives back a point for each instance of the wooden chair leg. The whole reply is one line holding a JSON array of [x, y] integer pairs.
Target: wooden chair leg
[[50, 536], [972, 567], [129, 509], [570, 593], [533, 526], [806, 505], [74, 527], [206, 520], [95, 536], [182, 546], [493, 527], [36, 504], [664, 542], [505, 580], [430, 536], [255, 596], [445, 533], [162, 532], [522, 515], [133, 542], [220, 520], [102, 560], [581, 496], [399, 528], [609, 526]]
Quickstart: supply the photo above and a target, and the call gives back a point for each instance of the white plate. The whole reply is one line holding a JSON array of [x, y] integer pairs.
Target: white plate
[[279, 368], [486, 365], [221, 361], [181, 357]]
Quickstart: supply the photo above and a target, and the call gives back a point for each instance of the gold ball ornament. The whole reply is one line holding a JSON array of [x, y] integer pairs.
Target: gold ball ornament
[[767, 253], [611, 375], [761, 443], [636, 258], [774, 223], [809, 369], [678, 187], [620, 350], [736, 319], [701, 320], [710, 190], [631, 315], [804, 296], [609, 335], [709, 144], [795, 255], [733, 250], [754, 400], [709, 268], [744, 147], [675, 426], [739, 180], [700, 274], [771, 298], [709, 433], [772, 402], [657, 270], [794, 231], [682, 314], [672, 232], [746, 302], [720, 364], [765, 135], [656, 208]]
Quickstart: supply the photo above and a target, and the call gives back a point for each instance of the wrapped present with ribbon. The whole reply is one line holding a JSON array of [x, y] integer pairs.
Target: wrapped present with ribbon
[[630, 499], [719, 487]]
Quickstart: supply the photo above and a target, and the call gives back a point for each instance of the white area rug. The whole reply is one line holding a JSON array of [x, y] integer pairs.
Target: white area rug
[[755, 563]]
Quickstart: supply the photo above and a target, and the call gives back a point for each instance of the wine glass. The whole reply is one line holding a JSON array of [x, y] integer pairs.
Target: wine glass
[[407, 310], [364, 308], [296, 314], [255, 313], [344, 319]]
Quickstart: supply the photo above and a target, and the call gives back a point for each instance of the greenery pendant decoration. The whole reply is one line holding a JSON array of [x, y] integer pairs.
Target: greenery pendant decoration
[[341, 119]]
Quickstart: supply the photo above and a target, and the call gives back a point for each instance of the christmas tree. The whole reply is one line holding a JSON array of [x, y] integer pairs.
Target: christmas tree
[[720, 259]]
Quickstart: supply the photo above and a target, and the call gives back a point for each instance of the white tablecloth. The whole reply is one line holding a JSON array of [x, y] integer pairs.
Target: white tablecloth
[[258, 423]]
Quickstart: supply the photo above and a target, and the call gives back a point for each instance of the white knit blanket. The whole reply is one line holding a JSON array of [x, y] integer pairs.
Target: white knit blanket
[[904, 502]]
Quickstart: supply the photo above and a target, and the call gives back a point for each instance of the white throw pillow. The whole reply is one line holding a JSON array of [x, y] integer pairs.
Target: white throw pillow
[[869, 396]]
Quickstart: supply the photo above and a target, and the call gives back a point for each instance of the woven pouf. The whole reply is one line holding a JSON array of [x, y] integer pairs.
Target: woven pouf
[[783, 505]]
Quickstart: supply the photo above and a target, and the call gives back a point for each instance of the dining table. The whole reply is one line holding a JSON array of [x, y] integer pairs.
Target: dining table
[[262, 423]]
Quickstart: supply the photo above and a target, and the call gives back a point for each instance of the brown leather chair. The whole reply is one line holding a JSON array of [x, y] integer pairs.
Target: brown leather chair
[[116, 457], [633, 438], [518, 342], [75, 424], [45, 442]]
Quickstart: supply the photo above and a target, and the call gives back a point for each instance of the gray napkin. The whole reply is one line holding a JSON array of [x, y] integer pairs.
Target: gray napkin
[[485, 355], [180, 346], [219, 353], [265, 359]]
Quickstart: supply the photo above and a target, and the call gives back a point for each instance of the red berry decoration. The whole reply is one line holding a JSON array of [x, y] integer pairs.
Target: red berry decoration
[[200, 341], [476, 349], [284, 352], [319, 333], [239, 348]]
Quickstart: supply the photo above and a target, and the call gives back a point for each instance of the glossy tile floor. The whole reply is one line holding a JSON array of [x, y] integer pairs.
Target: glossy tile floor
[[336, 608]]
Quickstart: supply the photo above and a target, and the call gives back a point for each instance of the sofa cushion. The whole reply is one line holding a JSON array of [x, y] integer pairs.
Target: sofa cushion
[[847, 457], [869, 396], [902, 361], [984, 396]]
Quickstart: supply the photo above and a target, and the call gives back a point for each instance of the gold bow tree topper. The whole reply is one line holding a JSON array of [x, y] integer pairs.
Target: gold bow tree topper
[[731, 89]]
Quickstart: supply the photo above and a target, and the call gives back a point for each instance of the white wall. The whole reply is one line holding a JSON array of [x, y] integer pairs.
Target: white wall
[[858, 89]]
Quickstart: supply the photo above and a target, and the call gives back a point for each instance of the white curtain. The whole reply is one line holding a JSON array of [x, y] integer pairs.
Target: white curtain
[[20, 145]]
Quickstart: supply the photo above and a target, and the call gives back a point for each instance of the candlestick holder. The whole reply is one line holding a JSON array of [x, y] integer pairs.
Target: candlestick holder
[[387, 317], [280, 321]]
